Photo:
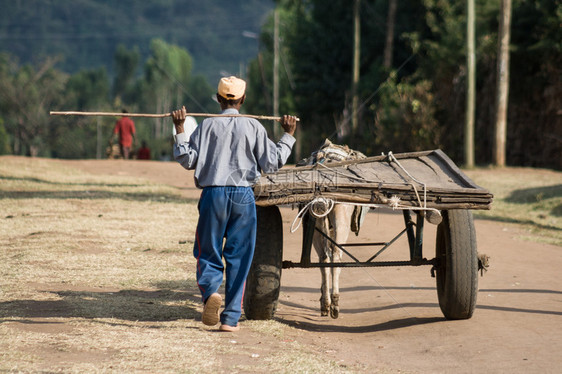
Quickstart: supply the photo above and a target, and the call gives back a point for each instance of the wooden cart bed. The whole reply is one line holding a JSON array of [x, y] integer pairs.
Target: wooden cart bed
[[427, 179]]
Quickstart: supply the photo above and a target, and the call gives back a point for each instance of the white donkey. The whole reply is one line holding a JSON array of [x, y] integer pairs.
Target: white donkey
[[342, 219]]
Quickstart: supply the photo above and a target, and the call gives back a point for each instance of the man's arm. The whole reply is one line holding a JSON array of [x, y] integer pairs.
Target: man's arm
[[271, 157], [184, 152]]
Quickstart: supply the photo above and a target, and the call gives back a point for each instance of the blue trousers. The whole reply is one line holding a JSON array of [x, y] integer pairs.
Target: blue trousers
[[225, 213]]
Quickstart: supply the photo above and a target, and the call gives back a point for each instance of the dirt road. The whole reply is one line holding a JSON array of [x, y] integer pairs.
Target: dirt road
[[390, 318]]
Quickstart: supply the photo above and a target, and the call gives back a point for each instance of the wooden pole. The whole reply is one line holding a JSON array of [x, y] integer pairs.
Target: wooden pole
[[355, 75], [389, 43], [502, 87], [98, 139], [470, 88], [162, 115], [276, 69]]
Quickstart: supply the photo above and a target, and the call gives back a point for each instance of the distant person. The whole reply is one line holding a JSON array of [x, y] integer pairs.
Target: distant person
[[125, 129], [144, 152]]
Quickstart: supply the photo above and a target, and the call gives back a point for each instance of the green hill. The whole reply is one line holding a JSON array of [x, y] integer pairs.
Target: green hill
[[85, 33]]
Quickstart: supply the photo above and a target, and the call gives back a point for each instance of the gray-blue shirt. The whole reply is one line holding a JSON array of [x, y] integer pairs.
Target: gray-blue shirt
[[231, 151]]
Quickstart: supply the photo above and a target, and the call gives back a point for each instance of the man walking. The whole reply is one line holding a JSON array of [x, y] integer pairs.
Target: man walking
[[125, 129], [228, 155]]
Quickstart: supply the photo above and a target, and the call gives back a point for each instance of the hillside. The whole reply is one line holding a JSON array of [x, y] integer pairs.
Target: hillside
[[85, 33]]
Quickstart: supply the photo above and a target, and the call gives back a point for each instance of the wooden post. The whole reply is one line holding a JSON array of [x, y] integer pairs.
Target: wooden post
[[356, 58], [502, 89], [470, 88], [389, 43], [98, 139], [276, 70]]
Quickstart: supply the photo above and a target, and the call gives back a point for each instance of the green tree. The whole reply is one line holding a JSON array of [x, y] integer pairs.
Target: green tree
[[320, 44], [4, 139], [260, 71], [534, 120], [166, 72], [126, 64], [77, 136], [167, 84], [405, 120], [27, 93]]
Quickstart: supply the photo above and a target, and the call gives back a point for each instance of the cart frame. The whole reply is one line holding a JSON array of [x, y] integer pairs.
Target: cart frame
[[446, 192], [415, 241]]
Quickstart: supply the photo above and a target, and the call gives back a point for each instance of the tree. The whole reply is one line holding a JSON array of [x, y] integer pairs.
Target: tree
[[126, 64], [27, 94], [82, 137], [4, 139], [166, 76], [260, 73]]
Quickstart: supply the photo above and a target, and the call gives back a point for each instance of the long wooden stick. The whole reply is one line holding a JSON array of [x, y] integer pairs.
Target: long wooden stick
[[163, 115]]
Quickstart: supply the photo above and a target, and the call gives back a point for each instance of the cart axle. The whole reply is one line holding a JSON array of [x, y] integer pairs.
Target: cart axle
[[291, 264]]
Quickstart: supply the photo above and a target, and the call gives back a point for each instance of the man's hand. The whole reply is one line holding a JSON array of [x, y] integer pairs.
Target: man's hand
[[289, 124], [178, 116]]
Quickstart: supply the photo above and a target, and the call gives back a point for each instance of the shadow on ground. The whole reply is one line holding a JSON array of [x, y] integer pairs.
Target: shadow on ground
[[91, 191], [130, 305]]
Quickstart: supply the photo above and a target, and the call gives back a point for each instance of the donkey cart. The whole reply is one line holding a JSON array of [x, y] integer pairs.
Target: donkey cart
[[424, 185]]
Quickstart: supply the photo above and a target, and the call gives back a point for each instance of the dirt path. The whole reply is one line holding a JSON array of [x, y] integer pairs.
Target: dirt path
[[390, 318]]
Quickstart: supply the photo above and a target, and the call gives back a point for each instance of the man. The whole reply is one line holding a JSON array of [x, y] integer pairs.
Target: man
[[125, 128], [228, 155]]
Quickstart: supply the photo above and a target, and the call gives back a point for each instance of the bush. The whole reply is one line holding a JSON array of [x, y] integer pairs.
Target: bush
[[405, 118], [4, 139]]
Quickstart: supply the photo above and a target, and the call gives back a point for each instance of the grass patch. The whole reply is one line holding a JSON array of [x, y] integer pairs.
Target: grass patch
[[531, 198]]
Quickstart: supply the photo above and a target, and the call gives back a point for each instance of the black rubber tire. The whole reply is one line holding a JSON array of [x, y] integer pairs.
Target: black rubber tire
[[264, 280], [457, 267]]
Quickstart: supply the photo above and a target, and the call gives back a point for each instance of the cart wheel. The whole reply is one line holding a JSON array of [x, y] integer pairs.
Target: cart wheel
[[264, 280], [457, 267]]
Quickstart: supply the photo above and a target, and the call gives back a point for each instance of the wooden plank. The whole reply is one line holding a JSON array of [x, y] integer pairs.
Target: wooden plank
[[376, 179]]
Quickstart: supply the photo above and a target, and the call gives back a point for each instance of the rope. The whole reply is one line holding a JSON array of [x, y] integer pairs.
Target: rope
[[314, 206], [392, 158], [327, 204]]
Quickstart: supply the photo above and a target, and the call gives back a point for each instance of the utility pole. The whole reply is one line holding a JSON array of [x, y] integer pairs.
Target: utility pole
[[276, 70], [389, 44], [502, 89], [98, 139], [470, 88], [356, 56]]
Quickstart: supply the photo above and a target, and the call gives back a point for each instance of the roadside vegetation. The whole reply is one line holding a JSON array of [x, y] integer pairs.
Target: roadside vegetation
[[530, 198]]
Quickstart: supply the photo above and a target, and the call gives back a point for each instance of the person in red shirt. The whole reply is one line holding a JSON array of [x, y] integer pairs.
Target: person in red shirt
[[144, 152], [125, 127]]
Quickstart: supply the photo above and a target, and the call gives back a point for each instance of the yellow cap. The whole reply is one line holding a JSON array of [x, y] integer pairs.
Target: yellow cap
[[232, 88]]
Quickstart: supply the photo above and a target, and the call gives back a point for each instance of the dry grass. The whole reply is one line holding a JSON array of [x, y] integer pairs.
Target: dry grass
[[531, 198], [97, 276]]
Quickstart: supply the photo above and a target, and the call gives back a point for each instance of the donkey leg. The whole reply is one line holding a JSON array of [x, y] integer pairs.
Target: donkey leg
[[341, 220], [325, 300], [335, 306], [320, 244]]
